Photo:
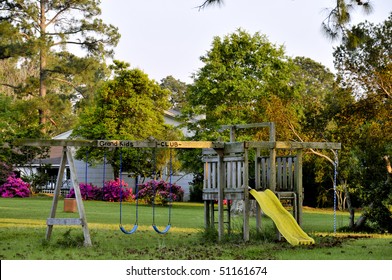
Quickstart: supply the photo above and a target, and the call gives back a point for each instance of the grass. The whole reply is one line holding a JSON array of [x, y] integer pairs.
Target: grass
[[22, 231]]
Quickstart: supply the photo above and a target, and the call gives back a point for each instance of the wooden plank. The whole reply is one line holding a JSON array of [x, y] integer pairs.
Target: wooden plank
[[272, 170], [209, 152], [237, 147], [239, 174], [208, 175], [228, 174], [250, 125], [221, 186], [53, 142], [214, 175], [264, 169], [294, 145], [284, 173], [205, 179], [290, 183], [234, 174], [233, 158], [234, 190], [210, 159], [308, 145], [119, 143], [64, 221], [160, 144], [279, 175], [260, 145]]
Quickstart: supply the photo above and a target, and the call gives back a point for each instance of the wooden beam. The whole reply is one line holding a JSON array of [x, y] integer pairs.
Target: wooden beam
[[64, 221], [53, 142], [119, 143], [294, 145], [231, 147], [244, 126], [308, 145], [236, 147]]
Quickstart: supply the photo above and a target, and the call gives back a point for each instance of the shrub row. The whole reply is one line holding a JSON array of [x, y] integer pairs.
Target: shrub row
[[160, 192], [113, 190]]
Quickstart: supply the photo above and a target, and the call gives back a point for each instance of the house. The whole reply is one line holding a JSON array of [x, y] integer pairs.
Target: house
[[99, 173]]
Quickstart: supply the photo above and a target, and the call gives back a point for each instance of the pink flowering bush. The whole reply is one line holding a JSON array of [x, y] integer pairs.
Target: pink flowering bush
[[161, 190], [112, 190], [14, 187], [88, 192]]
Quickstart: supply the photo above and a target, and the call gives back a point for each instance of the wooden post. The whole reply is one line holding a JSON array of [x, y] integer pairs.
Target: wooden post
[[57, 190], [207, 223], [221, 185], [258, 186], [78, 196], [298, 185], [246, 196], [232, 133], [272, 167]]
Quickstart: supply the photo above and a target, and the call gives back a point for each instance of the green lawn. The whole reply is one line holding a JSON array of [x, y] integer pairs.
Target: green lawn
[[22, 231]]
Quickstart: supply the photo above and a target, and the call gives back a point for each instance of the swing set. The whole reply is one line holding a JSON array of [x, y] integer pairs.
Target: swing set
[[226, 175], [67, 156], [154, 225]]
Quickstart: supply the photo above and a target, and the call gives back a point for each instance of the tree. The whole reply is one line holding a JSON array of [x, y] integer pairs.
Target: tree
[[129, 106], [337, 20], [320, 101], [366, 124], [178, 89], [365, 65], [45, 28], [245, 79]]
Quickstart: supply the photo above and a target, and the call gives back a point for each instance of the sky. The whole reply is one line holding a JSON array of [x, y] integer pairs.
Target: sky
[[167, 37]]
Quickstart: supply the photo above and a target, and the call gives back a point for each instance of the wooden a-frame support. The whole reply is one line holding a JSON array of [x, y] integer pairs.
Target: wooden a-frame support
[[82, 221]]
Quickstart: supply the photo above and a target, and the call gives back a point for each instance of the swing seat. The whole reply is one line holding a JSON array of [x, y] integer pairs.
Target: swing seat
[[163, 231], [133, 230]]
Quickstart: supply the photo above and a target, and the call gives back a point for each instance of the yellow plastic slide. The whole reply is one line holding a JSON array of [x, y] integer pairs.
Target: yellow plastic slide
[[283, 220]]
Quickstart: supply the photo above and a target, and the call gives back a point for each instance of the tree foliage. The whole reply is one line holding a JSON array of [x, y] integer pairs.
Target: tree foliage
[[245, 79], [129, 106], [42, 32], [178, 92], [365, 126], [366, 65]]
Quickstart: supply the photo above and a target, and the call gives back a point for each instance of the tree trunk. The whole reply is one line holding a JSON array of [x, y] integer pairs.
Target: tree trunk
[[42, 67], [349, 206]]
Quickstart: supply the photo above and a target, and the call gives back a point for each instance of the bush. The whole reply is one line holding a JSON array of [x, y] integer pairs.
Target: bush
[[14, 187], [162, 191], [88, 192], [111, 191]]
